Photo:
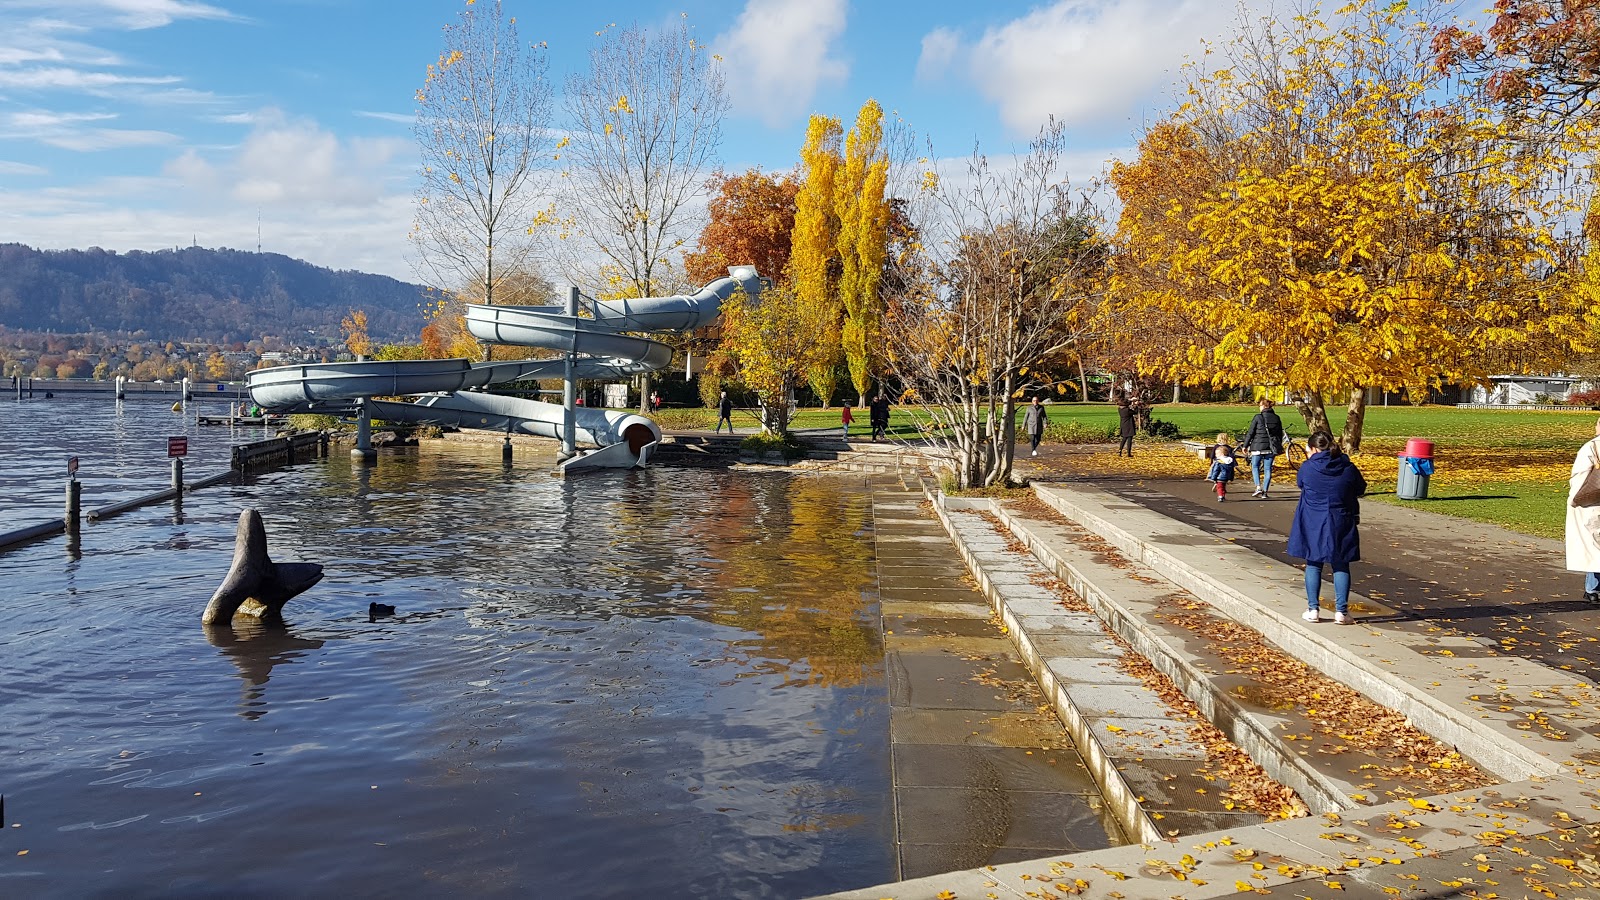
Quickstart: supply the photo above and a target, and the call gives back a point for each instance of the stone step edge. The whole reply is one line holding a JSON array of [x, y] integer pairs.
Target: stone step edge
[[1120, 796], [1215, 864], [1502, 754], [1251, 732]]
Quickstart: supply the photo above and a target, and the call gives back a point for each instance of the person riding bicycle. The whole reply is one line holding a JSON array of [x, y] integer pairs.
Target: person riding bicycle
[[1264, 442]]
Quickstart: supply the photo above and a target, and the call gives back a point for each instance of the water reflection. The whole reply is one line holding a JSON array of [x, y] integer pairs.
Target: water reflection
[[666, 680], [255, 649]]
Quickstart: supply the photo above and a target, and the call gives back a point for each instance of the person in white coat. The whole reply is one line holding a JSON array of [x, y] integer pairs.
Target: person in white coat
[[1583, 522]]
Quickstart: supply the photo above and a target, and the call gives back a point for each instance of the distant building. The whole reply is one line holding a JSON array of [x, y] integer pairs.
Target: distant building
[[1525, 390]]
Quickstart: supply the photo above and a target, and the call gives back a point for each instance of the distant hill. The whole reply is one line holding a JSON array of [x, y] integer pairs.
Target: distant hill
[[197, 294]]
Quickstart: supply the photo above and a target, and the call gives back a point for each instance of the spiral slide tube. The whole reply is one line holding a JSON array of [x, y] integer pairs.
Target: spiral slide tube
[[591, 335]]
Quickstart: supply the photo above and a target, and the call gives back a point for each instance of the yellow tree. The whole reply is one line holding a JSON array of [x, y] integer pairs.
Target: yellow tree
[[863, 216], [356, 337], [773, 342], [813, 266], [1356, 222]]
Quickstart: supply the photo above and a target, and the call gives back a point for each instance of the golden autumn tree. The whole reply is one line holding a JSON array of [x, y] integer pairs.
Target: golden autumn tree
[[773, 342], [1356, 221], [863, 215], [356, 338], [813, 265]]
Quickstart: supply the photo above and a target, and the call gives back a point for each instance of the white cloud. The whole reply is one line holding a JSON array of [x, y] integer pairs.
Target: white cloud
[[779, 52], [135, 14], [1082, 61], [404, 118], [65, 78], [16, 168], [940, 47], [74, 131]]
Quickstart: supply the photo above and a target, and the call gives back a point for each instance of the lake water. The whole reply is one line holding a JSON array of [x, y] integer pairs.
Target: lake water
[[663, 683]]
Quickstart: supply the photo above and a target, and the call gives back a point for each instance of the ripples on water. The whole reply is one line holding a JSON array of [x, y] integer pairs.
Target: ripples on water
[[662, 681]]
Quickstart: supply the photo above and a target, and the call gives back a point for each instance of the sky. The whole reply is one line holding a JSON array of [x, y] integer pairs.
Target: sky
[[149, 124]]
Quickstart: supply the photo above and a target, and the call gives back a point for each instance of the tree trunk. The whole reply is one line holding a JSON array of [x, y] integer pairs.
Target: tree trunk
[[1083, 381], [645, 380], [1008, 436], [1309, 403], [1176, 386], [1354, 419]]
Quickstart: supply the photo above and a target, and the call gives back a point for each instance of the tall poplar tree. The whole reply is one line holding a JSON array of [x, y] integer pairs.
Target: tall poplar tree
[[813, 264], [863, 237]]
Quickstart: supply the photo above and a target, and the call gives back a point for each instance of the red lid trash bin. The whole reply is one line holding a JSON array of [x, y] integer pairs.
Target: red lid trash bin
[[1418, 448]]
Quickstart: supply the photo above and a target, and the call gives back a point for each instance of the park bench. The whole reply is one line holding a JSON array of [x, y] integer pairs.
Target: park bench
[[1198, 448]]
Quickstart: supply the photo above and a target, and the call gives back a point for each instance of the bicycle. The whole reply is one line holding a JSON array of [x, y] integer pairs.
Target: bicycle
[[1294, 452]]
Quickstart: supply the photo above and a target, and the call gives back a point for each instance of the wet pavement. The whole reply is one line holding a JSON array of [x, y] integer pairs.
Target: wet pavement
[[983, 771]]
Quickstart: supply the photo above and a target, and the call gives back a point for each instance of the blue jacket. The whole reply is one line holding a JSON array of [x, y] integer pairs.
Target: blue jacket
[[1324, 528]]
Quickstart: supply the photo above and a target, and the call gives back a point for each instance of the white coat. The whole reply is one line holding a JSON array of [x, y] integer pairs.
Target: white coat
[[1583, 523]]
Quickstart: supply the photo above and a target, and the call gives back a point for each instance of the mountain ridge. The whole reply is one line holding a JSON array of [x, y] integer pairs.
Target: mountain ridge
[[216, 295]]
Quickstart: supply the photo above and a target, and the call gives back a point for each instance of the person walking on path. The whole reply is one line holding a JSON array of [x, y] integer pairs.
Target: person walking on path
[[878, 415], [725, 413], [1127, 424], [1583, 522], [1223, 466], [1324, 531], [1033, 423], [845, 418], [1263, 441]]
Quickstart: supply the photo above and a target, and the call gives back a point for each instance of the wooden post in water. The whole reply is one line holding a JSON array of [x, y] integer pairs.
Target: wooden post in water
[[177, 474], [74, 504]]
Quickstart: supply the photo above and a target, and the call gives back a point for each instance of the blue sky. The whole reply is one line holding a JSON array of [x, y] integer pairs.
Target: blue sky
[[142, 124]]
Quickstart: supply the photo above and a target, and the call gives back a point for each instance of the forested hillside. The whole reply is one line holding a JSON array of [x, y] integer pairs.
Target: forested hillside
[[196, 294]]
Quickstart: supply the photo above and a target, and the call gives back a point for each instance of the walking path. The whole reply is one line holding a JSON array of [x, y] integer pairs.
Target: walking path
[[1473, 633]]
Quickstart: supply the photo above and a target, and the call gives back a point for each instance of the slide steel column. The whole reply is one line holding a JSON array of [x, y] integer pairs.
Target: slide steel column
[[569, 389]]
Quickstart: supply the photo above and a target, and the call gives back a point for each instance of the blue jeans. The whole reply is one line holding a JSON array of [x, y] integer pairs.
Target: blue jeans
[[1261, 470], [1341, 585], [1591, 582]]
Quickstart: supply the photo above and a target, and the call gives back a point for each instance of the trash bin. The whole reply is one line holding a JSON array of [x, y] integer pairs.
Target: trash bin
[[1416, 468]]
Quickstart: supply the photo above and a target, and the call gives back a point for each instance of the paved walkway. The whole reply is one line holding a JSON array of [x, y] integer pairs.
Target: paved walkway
[[1425, 571]]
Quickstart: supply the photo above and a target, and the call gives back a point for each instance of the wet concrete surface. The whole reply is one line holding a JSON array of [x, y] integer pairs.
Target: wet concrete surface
[[984, 773]]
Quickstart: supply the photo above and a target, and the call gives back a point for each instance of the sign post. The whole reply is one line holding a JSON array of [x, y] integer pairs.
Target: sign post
[[177, 449], [74, 495]]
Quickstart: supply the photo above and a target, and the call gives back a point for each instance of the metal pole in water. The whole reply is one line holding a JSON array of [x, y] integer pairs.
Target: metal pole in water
[[122, 389], [187, 395], [177, 474], [569, 389], [363, 449]]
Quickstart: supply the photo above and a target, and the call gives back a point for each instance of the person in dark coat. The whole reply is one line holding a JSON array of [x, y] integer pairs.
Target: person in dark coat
[[1034, 422], [1264, 441], [725, 412], [878, 413], [1324, 530], [1127, 425]]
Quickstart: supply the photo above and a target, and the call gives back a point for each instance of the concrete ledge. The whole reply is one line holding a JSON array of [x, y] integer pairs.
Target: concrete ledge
[[1405, 848], [1125, 604], [1121, 798]]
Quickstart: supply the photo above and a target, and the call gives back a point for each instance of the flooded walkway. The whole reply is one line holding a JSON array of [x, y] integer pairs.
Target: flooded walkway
[[984, 773]]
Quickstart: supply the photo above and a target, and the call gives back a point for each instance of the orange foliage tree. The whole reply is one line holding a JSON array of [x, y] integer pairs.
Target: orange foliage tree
[[751, 218]]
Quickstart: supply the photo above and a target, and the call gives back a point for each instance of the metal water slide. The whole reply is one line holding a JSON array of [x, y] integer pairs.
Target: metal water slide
[[590, 334]]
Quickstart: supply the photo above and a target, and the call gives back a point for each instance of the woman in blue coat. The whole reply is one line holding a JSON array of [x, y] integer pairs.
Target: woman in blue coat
[[1324, 529]]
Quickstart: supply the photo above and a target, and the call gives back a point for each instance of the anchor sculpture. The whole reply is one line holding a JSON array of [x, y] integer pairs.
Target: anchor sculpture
[[256, 586]]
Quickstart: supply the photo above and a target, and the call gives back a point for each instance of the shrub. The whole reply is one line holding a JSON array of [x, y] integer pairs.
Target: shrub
[[787, 444], [1585, 398], [311, 422], [685, 419], [1073, 431], [1163, 430]]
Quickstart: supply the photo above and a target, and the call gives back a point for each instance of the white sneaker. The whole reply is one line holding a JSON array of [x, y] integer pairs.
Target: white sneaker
[[1311, 615], [1034, 453], [1340, 618]]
